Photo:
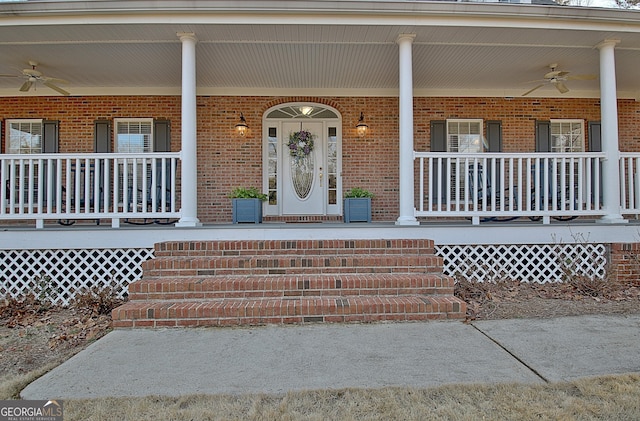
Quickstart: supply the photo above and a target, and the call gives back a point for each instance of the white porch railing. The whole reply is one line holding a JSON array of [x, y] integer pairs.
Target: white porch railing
[[630, 183], [508, 185], [88, 186]]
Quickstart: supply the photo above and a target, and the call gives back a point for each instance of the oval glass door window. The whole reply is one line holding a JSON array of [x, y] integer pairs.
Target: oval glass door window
[[302, 170]]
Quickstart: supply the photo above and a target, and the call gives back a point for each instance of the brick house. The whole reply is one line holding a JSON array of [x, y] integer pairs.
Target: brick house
[[493, 130]]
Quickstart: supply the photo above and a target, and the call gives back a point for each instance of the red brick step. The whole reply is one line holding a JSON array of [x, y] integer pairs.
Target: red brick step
[[228, 312], [216, 283], [214, 287]]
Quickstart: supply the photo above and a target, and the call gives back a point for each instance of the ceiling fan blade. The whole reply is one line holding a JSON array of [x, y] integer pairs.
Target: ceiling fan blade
[[54, 80], [582, 77], [533, 89], [10, 76], [561, 87], [26, 86], [56, 88], [555, 73]]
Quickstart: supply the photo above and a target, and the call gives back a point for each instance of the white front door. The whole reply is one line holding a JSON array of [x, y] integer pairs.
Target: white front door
[[303, 173]]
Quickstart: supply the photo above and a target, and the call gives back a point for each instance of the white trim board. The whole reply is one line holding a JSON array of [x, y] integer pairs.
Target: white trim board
[[442, 233]]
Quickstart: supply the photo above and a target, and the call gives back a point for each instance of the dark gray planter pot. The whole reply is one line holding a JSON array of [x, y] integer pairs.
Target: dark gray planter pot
[[247, 211], [357, 209]]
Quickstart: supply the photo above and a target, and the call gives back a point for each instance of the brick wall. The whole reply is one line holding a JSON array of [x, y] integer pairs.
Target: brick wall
[[625, 262], [226, 161]]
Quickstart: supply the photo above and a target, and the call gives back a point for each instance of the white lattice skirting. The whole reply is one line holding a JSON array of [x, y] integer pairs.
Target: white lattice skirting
[[59, 274], [527, 263]]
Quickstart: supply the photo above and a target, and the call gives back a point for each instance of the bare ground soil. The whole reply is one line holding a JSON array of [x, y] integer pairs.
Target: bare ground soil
[[505, 299], [33, 336]]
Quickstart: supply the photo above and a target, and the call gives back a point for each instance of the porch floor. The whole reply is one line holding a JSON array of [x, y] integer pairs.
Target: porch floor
[[449, 232]]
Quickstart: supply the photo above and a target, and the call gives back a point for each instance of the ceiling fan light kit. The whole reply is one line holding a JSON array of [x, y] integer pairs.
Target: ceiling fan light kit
[[33, 76], [557, 78]]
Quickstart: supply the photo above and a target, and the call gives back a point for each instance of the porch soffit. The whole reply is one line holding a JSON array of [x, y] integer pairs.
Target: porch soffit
[[362, 59]]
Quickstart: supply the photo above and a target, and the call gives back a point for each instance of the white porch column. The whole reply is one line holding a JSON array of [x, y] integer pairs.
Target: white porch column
[[189, 173], [609, 127], [407, 214]]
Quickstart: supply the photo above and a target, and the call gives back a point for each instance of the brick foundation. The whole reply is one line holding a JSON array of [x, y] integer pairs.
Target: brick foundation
[[625, 262]]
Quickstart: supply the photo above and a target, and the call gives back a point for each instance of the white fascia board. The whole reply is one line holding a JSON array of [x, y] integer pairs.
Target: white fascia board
[[321, 13]]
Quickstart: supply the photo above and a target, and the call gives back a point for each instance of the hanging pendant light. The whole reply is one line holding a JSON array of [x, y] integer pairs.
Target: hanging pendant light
[[362, 127], [242, 127]]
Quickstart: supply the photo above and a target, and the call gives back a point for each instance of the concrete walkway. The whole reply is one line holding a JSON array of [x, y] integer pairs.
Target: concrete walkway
[[277, 359]]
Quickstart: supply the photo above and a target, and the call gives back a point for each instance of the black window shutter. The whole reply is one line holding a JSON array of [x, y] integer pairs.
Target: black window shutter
[[543, 136], [494, 136], [162, 143], [102, 136], [595, 145], [161, 136], [49, 136], [494, 143], [439, 144], [49, 145], [438, 136], [595, 137]]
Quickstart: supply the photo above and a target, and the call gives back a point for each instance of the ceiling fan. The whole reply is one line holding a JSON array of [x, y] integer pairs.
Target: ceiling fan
[[33, 76], [557, 79]]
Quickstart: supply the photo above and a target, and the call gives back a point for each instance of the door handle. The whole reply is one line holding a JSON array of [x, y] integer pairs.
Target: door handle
[[321, 175]]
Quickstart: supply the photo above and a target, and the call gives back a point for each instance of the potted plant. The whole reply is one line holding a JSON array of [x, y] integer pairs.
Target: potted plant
[[247, 205], [357, 205]]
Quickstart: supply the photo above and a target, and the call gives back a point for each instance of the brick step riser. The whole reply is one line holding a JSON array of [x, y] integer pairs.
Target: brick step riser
[[297, 247], [289, 272], [294, 252], [294, 284], [255, 312], [279, 320], [212, 295], [307, 264]]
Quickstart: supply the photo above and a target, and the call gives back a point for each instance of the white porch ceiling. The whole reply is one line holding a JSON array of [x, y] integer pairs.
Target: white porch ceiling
[[286, 57]]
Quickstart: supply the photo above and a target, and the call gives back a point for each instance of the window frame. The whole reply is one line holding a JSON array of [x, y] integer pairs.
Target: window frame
[[141, 120], [566, 148], [481, 141], [20, 151]]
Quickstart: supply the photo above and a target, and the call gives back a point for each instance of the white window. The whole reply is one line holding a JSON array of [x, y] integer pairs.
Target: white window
[[134, 135], [23, 136], [567, 136], [464, 136]]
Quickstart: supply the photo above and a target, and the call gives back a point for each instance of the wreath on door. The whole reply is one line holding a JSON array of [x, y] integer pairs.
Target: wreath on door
[[301, 143]]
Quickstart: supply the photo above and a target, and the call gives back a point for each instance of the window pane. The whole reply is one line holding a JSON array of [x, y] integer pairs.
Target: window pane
[[567, 136], [332, 165], [25, 137], [464, 136], [134, 136], [272, 153]]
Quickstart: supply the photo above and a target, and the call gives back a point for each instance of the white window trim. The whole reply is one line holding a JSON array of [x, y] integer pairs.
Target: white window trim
[[567, 121], [466, 120], [8, 124], [117, 121]]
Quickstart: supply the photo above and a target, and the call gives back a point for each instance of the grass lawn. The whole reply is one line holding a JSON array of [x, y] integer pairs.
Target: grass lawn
[[601, 398]]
